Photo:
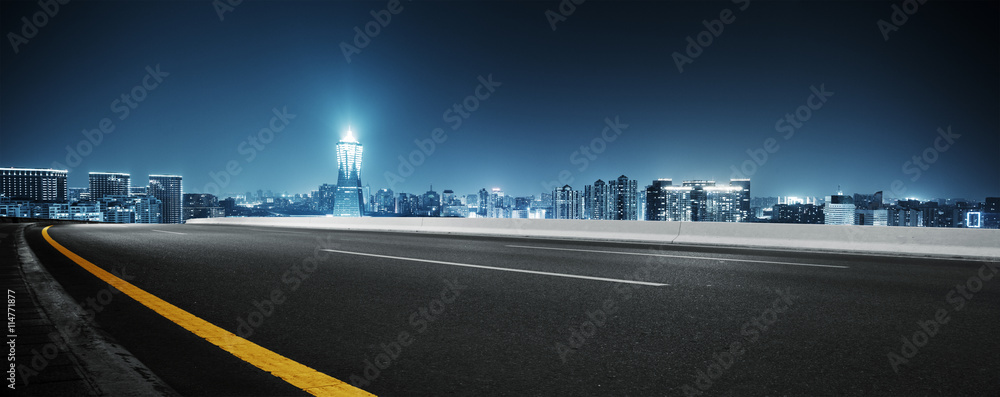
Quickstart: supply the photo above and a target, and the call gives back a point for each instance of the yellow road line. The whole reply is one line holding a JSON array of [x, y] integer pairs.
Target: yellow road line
[[301, 376]]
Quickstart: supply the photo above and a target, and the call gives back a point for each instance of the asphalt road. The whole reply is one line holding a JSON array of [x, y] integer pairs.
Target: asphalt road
[[522, 321]]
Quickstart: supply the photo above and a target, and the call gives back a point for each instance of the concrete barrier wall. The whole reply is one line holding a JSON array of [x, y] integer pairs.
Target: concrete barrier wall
[[917, 241], [10, 219]]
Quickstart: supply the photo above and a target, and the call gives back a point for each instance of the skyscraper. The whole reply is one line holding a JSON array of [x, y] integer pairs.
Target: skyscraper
[[697, 200], [484, 198], [430, 203], [325, 196], [744, 204], [385, 202], [677, 203], [597, 201], [656, 200], [622, 196], [167, 189], [46, 185], [567, 203], [348, 199], [109, 184]]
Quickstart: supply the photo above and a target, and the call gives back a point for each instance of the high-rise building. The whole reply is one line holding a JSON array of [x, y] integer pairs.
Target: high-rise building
[[567, 203], [448, 198], [167, 189], [430, 203], [499, 204], [325, 197], [677, 200], [484, 199], [42, 185], [991, 213], [385, 202], [744, 199], [698, 200], [109, 184], [349, 200], [369, 199], [722, 203], [596, 202], [656, 200], [839, 210], [623, 196], [407, 204]]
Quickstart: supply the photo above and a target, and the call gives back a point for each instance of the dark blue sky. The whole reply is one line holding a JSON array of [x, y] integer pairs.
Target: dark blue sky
[[606, 60]]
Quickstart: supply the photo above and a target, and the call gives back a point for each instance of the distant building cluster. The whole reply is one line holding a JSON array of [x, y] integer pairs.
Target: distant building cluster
[[110, 197], [873, 210], [43, 193]]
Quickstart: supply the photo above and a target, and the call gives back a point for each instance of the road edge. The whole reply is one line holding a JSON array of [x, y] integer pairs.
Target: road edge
[[108, 367]]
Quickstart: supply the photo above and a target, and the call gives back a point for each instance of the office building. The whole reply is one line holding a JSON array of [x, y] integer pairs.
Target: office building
[[797, 213], [202, 205], [349, 198], [30, 184], [991, 213], [697, 200], [109, 184], [167, 189], [839, 210], [904, 216]]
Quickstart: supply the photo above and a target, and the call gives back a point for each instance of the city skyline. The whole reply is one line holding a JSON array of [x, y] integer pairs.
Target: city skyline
[[862, 102]]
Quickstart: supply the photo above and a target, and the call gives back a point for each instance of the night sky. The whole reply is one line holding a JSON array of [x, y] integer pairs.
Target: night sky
[[220, 81]]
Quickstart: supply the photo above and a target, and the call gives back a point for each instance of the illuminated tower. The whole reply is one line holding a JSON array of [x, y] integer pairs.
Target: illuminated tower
[[348, 200]]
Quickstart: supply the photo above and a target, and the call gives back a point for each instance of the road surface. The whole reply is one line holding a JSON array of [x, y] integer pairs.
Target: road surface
[[416, 314]]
